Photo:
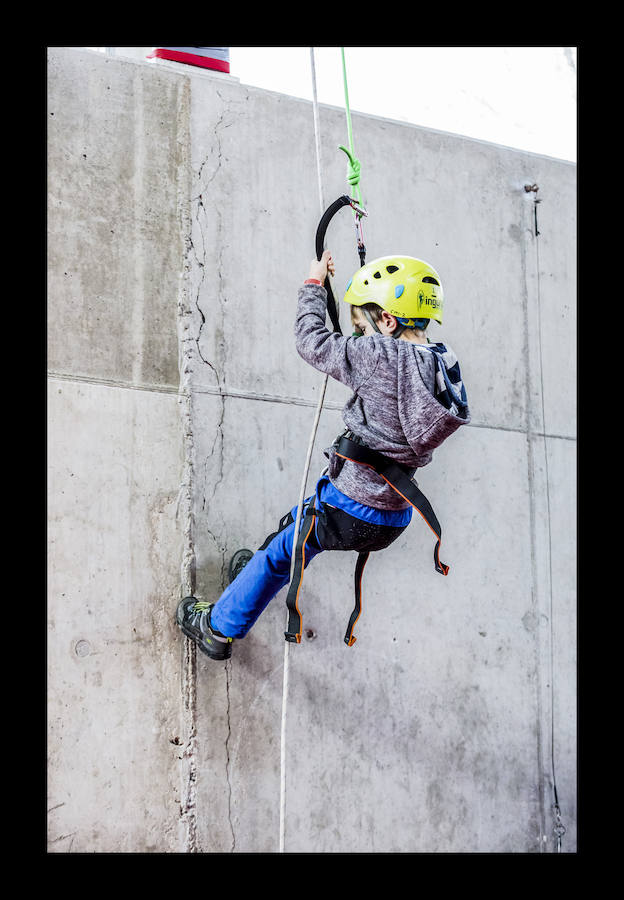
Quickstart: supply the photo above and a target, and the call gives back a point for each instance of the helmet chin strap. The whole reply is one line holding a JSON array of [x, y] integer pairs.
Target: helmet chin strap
[[371, 320], [395, 334]]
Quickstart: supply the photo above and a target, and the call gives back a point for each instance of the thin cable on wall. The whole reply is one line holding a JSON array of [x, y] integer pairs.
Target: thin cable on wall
[[558, 829]]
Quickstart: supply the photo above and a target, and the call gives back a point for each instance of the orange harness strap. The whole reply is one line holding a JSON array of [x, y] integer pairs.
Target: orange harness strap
[[292, 600]]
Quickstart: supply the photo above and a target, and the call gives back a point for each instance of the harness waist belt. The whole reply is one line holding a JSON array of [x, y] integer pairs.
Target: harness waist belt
[[398, 479]]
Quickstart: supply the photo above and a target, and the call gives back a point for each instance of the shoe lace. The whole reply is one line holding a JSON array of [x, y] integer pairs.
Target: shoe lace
[[201, 606]]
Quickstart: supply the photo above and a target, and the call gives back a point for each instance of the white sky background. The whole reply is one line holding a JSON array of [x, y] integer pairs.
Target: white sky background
[[522, 97]]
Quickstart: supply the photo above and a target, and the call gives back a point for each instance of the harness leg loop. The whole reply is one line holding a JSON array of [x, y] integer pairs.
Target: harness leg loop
[[362, 559], [293, 635]]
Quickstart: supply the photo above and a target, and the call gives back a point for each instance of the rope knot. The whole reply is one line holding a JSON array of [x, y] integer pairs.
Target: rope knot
[[354, 167]]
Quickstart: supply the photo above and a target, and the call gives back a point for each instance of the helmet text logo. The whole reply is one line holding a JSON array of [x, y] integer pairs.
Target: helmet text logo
[[428, 301]]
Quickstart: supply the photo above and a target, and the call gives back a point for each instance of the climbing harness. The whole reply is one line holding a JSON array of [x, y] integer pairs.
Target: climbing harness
[[349, 446]]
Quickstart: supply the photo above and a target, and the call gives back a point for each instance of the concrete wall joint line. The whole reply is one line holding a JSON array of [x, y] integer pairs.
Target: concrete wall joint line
[[235, 394], [113, 382]]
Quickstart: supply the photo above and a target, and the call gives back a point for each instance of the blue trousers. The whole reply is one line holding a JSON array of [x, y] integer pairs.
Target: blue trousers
[[268, 571]]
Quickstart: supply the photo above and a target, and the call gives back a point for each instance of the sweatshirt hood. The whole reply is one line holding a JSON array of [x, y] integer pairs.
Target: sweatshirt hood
[[427, 419]]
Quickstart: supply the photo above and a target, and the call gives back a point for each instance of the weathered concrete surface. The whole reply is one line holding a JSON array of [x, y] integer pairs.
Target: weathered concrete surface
[[117, 167], [117, 171], [432, 733], [438, 719], [114, 665]]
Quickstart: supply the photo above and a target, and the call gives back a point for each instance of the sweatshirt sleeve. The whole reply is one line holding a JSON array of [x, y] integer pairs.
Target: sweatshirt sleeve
[[349, 360]]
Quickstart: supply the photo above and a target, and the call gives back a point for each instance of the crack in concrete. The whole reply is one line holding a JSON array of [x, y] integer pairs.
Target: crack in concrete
[[218, 438], [58, 805], [188, 804], [219, 366], [201, 265], [217, 212], [184, 510], [62, 837], [228, 673], [222, 551], [190, 338], [226, 110]]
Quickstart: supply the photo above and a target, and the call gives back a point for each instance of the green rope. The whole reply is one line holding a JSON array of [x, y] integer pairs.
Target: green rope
[[354, 166]]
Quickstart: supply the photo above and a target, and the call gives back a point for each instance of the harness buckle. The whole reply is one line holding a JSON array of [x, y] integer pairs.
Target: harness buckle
[[292, 638]]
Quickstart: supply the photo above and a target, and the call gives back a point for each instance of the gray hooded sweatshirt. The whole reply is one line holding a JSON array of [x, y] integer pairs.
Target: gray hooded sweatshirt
[[394, 408]]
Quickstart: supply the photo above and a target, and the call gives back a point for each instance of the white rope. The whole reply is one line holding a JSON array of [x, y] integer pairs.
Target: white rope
[[317, 131], [302, 492]]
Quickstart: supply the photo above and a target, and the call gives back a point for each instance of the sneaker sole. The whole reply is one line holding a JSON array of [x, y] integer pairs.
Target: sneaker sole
[[223, 655], [203, 648], [235, 560]]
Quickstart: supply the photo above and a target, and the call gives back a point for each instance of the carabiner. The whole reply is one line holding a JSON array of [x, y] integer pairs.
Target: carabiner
[[358, 209]]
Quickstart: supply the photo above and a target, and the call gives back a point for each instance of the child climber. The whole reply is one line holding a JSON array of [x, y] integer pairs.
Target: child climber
[[408, 397]]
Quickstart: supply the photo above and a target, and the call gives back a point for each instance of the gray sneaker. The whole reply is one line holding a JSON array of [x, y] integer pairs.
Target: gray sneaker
[[193, 617]]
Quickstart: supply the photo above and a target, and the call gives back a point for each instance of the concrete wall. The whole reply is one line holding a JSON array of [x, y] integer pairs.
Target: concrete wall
[[182, 213]]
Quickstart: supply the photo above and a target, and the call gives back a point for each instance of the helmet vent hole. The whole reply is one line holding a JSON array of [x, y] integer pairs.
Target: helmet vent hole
[[377, 275], [366, 282], [429, 280], [391, 269]]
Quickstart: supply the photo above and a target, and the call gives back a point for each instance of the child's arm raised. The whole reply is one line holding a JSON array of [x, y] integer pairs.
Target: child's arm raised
[[346, 359], [320, 267]]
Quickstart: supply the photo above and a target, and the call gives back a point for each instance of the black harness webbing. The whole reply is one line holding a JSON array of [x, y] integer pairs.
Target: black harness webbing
[[362, 559], [294, 616], [285, 521], [398, 479]]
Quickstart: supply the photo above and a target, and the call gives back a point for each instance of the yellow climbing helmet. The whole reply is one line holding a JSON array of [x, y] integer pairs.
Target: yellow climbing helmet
[[404, 286]]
